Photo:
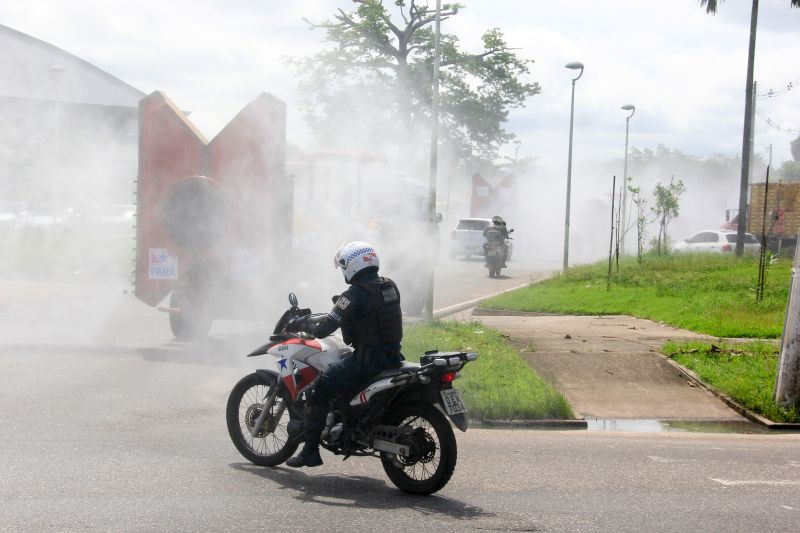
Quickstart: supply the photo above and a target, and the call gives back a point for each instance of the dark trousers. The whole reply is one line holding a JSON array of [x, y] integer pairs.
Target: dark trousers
[[503, 250], [344, 378]]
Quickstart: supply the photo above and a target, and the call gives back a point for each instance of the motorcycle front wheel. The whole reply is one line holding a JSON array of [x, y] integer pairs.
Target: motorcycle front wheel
[[432, 445], [271, 445]]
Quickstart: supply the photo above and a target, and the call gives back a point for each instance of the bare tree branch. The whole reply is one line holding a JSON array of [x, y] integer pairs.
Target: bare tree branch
[[379, 40], [385, 18], [474, 57]]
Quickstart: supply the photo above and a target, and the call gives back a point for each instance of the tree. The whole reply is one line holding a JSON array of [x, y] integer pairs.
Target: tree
[[641, 220], [711, 7], [794, 148], [790, 170], [381, 70], [665, 210]]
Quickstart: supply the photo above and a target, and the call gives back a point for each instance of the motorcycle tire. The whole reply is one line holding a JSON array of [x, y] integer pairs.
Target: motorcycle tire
[[273, 445], [192, 323], [434, 452]]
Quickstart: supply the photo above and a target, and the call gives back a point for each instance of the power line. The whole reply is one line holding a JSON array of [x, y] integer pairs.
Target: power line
[[772, 93], [774, 125]]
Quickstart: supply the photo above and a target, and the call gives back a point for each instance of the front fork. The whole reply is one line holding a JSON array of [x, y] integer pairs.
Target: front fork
[[269, 401]]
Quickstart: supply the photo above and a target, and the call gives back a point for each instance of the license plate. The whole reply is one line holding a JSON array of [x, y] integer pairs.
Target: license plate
[[452, 402], [492, 253]]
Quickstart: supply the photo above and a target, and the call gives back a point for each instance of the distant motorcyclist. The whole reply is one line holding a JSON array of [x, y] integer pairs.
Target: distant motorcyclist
[[371, 320], [497, 234]]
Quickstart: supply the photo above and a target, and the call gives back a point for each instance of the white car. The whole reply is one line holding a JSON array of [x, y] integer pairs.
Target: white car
[[717, 241], [467, 239]]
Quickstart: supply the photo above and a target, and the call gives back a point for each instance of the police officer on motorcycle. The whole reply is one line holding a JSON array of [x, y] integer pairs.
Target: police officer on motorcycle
[[371, 320], [496, 233]]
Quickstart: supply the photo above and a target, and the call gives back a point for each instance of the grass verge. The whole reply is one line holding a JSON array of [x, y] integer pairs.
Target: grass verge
[[707, 293], [745, 372], [499, 385]]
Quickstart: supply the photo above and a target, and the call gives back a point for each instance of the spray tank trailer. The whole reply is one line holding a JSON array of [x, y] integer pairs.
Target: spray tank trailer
[[208, 213]]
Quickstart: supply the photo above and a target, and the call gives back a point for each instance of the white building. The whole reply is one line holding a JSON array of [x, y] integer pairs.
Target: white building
[[68, 130]]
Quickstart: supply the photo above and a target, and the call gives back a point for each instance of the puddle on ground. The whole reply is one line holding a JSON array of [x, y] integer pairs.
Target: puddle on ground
[[655, 426]]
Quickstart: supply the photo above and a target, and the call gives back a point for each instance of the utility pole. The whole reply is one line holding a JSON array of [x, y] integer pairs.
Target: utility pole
[[748, 128], [787, 384], [434, 229]]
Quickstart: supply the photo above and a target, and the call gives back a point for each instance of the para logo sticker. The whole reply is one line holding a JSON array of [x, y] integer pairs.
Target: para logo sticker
[[162, 265], [342, 303]]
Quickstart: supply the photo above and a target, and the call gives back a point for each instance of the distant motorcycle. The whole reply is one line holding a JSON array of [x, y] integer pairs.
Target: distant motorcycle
[[401, 416], [493, 251]]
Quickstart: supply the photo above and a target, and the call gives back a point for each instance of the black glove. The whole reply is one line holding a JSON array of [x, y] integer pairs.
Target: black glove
[[296, 324]]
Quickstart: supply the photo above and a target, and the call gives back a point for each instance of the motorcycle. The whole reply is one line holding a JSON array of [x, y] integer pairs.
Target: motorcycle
[[494, 252], [400, 416]]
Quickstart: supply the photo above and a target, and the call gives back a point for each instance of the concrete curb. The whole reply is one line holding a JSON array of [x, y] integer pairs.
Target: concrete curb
[[485, 311], [453, 309], [532, 424], [509, 424], [730, 402]]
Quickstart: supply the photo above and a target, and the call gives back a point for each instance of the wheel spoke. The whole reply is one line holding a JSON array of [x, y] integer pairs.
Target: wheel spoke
[[270, 443]]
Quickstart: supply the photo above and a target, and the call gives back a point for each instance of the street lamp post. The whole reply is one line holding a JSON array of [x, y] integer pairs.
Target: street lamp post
[[623, 207], [57, 71], [577, 65], [432, 174]]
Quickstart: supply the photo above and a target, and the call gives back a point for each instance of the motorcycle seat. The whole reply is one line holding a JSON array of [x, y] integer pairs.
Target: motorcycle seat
[[404, 368]]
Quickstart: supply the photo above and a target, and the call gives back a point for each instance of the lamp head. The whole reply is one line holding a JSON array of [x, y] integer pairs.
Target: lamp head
[[629, 107], [576, 65]]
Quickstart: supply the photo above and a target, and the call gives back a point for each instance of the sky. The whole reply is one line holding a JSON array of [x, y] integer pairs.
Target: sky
[[684, 70]]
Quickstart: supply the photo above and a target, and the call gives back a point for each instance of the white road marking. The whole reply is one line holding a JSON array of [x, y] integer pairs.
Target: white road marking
[[658, 459], [735, 482]]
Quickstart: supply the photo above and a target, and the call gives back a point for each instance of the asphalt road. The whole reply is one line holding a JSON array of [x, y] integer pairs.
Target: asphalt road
[[108, 424]]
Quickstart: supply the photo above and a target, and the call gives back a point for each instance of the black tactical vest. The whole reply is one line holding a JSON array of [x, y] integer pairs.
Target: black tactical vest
[[382, 326]]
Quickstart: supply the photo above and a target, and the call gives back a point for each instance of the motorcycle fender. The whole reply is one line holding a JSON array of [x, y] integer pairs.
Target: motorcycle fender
[[263, 372], [460, 421]]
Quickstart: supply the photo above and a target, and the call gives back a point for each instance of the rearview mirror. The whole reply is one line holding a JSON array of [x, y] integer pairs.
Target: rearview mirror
[[292, 299]]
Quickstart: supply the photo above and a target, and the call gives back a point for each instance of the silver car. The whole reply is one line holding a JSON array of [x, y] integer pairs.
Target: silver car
[[717, 241], [467, 239]]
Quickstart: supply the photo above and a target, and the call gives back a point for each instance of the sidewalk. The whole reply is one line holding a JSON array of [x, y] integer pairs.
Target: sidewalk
[[609, 367]]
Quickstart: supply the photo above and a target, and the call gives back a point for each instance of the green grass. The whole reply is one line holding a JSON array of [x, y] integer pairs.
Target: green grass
[[707, 293], [499, 385], [61, 256], [745, 372]]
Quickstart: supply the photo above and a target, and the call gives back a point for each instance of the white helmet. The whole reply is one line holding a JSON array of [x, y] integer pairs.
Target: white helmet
[[354, 257]]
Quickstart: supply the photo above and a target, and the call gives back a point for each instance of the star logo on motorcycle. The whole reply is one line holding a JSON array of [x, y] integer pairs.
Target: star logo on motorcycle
[[282, 362]]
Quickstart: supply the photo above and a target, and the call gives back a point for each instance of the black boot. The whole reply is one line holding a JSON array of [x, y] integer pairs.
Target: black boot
[[308, 456]]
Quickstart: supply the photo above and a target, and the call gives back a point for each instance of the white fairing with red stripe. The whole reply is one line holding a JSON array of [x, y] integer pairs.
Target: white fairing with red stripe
[[371, 390], [300, 361], [316, 353]]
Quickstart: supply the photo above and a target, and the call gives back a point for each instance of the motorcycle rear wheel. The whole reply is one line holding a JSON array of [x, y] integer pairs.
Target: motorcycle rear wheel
[[272, 445], [433, 445]]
